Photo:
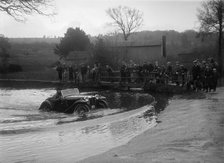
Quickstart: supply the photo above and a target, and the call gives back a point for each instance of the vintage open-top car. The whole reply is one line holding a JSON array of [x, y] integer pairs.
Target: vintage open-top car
[[72, 101]]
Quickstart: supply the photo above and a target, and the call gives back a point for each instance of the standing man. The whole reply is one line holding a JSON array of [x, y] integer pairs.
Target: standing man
[[183, 74], [169, 70], [65, 72], [59, 69], [109, 72], [196, 74], [176, 74], [214, 78], [70, 71], [122, 72], [83, 72]]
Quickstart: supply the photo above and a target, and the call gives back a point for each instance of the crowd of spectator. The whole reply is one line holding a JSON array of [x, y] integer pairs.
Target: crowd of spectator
[[202, 75], [78, 73], [149, 72]]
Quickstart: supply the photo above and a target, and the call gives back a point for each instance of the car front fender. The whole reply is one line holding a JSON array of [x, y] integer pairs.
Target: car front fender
[[46, 105]]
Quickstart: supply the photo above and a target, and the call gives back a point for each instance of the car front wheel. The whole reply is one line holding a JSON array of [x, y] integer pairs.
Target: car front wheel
[[102, 104], [81, 109], [46, 106]]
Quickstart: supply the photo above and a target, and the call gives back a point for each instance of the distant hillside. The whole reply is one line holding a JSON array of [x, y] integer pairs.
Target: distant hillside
[[177, 42], [35, 56], [34, 40]]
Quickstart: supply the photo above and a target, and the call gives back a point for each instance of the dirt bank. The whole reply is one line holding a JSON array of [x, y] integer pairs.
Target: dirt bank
[[191, 130]]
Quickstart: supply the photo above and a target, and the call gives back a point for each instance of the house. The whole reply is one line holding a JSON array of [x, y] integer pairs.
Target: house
[[140, 52]]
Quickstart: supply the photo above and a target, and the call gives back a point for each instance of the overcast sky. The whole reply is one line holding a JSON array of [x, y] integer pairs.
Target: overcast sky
[[90, 15]]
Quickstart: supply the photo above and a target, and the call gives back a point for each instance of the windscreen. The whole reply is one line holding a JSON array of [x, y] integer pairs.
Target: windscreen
[[70, 92]]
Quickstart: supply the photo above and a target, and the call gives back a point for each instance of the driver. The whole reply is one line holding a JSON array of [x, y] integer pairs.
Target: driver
[[58, 95]]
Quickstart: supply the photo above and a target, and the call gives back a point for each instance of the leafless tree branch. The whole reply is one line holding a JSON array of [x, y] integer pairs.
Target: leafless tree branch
[[211, 18], [18, 9], [126, 19]]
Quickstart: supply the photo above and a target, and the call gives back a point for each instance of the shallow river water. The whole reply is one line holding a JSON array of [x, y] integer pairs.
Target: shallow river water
[[30, 135]]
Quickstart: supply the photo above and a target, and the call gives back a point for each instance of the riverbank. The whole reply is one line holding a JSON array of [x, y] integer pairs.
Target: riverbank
[[191, 129], [149, 87]]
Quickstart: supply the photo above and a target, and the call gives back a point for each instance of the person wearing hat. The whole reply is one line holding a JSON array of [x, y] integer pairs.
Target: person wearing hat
[[169, 69], [183, 74], [203, 79], [196, 70], [207, 77], [59, 69], [70, 72], [214, 79], [57, 96]]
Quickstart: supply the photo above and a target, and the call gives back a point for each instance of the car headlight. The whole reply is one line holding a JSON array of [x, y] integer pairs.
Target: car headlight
[[86, 100], [97, 96]]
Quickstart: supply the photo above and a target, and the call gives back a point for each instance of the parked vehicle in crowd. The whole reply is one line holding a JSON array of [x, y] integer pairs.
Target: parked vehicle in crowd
[[72, 101]]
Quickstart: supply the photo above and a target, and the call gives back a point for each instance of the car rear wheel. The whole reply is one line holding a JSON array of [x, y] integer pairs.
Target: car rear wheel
[[81, 109]]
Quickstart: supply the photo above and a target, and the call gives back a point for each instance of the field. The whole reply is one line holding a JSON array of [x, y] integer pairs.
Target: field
[[37, 61]]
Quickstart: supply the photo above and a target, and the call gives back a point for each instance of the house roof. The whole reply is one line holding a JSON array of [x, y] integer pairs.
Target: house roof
[[136, 44]]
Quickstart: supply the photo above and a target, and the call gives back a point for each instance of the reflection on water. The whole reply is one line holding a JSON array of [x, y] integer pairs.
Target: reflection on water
[[128, 100], [161, 101], [29, 135], [22, 105], [73, 141]]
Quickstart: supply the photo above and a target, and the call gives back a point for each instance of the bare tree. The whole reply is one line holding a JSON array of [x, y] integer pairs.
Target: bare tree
[[19, 8], [211, 18], [126, 19]]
